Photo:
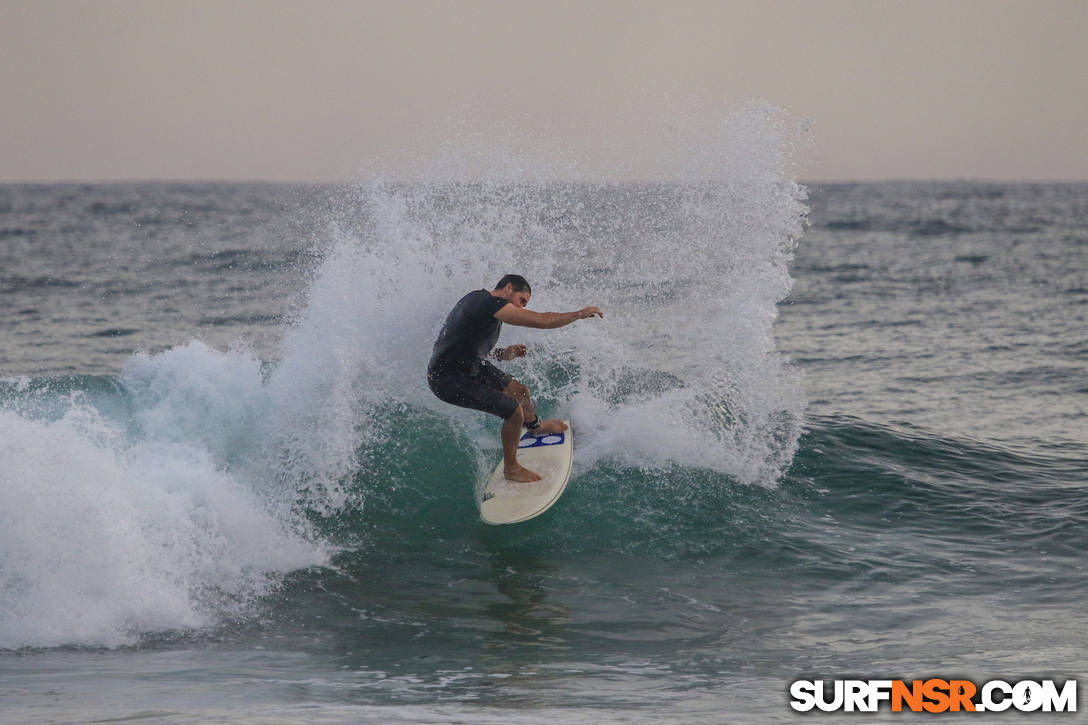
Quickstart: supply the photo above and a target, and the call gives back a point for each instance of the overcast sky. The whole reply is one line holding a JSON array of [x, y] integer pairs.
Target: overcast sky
[[316, 90]]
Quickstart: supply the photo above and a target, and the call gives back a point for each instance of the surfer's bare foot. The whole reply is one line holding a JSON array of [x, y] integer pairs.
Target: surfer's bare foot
[[519, 474], [547, 427]]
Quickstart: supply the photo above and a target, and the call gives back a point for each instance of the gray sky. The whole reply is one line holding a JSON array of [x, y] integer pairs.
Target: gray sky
[[316, 90]]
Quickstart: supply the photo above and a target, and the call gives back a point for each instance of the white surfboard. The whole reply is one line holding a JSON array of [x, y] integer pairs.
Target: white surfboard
[[549, 456]]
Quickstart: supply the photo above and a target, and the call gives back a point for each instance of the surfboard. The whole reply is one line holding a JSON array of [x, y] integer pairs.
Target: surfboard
[[549, 456]]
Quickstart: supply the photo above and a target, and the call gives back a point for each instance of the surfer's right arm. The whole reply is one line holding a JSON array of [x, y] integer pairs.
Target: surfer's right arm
[[514, 315]]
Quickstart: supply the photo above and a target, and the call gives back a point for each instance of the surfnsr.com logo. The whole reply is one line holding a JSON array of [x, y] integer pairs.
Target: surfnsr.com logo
[[933, 695]]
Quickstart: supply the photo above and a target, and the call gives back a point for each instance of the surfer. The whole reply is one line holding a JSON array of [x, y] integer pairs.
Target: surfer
[[459, 372]]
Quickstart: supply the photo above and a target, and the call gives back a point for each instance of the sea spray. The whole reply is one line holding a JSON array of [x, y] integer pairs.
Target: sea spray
[[681, 371]]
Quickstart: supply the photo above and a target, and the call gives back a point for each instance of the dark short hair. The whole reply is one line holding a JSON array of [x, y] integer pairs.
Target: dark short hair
[[520, 283]]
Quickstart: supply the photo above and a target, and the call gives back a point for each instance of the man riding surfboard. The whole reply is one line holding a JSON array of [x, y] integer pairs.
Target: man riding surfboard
[[459, 372]]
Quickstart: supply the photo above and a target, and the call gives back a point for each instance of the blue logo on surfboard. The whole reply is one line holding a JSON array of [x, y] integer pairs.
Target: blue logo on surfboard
[[550, 439]]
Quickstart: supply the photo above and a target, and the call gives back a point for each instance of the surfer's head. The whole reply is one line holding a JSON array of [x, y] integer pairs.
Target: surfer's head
[[514, 289]]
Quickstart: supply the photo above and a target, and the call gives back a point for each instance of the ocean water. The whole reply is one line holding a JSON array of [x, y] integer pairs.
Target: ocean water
[[823, 432]]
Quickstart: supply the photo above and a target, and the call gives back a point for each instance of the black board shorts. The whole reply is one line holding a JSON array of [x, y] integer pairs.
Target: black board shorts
[[481, 391]]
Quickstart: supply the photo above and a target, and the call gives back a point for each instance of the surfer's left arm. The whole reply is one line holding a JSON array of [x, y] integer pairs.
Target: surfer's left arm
[[522, 317]]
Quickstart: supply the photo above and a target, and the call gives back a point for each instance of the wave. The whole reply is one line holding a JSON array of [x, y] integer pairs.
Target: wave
[[15, 284], [863, 506], [173, 494], [106, 534], [947, 210], [875, 474], [133, 503]]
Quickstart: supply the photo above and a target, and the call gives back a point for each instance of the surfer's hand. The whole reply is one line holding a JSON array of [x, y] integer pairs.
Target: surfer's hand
[[587, 312], [514, 351]]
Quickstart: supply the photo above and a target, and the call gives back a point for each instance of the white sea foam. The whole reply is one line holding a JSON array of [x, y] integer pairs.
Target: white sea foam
[[109, 530]]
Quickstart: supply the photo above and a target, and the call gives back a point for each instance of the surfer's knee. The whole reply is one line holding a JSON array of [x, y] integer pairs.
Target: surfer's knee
[[517, 391]]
